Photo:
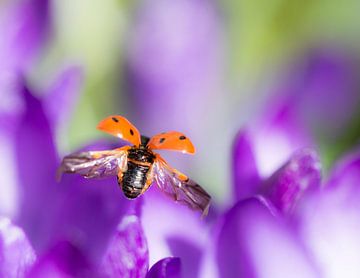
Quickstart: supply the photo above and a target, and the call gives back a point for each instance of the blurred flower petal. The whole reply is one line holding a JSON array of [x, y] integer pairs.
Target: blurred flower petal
[[127, 253], [275, 136], [37, 163], [88, 212], [171, 62], [246, 177], [16, 253], [11, 104], [330, 221], [300, 174], [190, 254], [166, 268], [345, 175], [76, 210], [63, 95], [254, 243], [328, 89], [178, 229], [62, 260], [23, 26]]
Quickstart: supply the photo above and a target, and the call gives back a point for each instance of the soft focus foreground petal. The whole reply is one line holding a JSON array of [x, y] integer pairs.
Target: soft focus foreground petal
[[302, 173], [8, 188], [16, 253], [23, 26], [329, 221], [254, 243], [36, 167], [63, 260], [166, 268], [127, 253], [245, 174], [173, 230], [11, 104], [63, 95], [11, 109], [88, 212], [83, 212]]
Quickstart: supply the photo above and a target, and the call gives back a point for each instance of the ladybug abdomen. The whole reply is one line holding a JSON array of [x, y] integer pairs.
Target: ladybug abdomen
[[134, 179]]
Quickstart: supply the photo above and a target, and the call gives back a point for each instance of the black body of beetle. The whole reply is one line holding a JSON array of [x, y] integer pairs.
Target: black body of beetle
[[140, 161]]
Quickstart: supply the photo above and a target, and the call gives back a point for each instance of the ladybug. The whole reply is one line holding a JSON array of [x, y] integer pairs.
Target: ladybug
[[136, 166]]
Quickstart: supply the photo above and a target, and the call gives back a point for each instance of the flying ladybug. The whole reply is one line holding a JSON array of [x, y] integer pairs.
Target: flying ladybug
[[136, 166]]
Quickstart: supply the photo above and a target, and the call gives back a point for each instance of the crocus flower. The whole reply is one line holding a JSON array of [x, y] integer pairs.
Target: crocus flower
[[24, 25], [23, 28], [320, 91], [74, 228], [282, 223], [273, 227]]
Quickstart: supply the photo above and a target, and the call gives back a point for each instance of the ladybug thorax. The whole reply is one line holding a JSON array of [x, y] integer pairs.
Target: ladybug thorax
[[141, 154]]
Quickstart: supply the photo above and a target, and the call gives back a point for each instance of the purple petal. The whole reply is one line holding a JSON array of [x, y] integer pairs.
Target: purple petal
[[23, 25], [322, 90], [300, 174], [166, 268], [345, 175], [77, 210], [276, 136], [190, 255], [177, 230], [87, 213], [254, 243], [63, 260], [127, 252], [37, 162], [63, 95], [328, 94], [16, 253], [12, 104], [329, 221], [246, 176]]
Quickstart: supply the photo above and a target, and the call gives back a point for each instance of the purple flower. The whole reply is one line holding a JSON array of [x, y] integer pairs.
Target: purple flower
[[320, 91], [74, 228], [283, 221], [166, 268], [23, 25]]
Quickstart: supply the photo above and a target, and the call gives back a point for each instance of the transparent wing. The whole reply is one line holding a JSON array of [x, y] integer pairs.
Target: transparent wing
[[94, 164], [180, 188]]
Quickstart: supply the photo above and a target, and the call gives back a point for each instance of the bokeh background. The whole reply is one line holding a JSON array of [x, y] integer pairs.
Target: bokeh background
[[206, 68]]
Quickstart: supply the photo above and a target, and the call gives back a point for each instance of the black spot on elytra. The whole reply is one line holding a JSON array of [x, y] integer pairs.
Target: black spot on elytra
[[182, 137], [162, 140], [115, 120], [131, 132]]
